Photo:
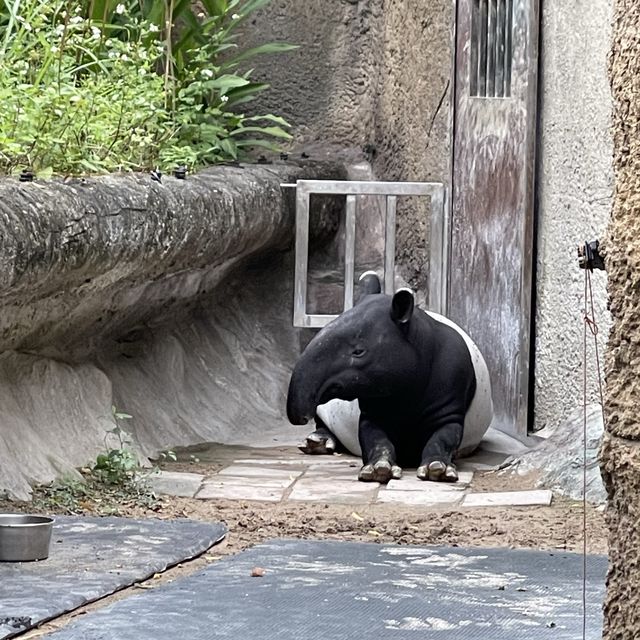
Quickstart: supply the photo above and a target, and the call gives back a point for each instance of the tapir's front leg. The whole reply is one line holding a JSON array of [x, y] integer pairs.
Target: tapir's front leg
[[437, 455], [378, 454]]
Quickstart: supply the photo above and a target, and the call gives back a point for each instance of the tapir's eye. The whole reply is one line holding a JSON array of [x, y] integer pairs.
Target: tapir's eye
[[357, 352]]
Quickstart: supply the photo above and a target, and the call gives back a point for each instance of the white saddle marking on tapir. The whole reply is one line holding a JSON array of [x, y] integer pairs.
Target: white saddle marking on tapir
[[342, 416]]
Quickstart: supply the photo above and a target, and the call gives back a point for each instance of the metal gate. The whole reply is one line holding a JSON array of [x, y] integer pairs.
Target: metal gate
[[492, 213], [352, 189]]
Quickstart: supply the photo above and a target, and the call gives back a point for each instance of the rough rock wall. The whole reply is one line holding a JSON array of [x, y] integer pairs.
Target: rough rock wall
[[620, 454], [327, 87], [575, 188], [412, 125], [371, 74], [120, 290]]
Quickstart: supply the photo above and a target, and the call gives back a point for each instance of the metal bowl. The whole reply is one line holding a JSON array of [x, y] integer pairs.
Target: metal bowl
[[24, 538]]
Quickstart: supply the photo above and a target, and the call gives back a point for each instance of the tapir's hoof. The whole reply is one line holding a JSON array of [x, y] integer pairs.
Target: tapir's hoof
[[382, 471], [318, 444], [438, 471]]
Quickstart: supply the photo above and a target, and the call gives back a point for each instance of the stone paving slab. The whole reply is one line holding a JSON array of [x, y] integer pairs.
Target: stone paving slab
[[509, 499], [293, 462], [410, 482], [261, 489], [423, 498], [174, 483], [334, 479], [91, 558], [334, 491], [249, 471]]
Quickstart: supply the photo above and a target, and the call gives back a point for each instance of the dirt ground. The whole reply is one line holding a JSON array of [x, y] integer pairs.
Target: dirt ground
[[558, 527]]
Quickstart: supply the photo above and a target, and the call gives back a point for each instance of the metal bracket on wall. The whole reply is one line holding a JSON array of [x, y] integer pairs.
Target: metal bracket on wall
[[438, 241]]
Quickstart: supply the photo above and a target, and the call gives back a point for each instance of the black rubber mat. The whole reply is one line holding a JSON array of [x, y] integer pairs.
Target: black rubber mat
[[91, 558], [334, 590]]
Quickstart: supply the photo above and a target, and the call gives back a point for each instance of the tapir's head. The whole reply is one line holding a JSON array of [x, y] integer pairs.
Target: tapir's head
[[364, 353]]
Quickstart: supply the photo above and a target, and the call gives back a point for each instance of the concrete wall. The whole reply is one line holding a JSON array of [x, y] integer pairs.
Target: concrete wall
[[574, 196], [621, 451]]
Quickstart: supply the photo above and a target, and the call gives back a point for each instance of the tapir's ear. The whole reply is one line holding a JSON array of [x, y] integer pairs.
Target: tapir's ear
[[402, 306]]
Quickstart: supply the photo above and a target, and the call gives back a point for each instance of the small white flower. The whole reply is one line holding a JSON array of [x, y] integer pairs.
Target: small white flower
[[235, 16], [76, 20], [207, 73], [120, 9], [60, 29], [224, 98], [201, 15], [95, 33], [54, 49], [124, 56], [154, 28]]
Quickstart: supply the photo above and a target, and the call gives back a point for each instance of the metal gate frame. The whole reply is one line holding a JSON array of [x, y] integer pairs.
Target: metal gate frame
[[438, 241]]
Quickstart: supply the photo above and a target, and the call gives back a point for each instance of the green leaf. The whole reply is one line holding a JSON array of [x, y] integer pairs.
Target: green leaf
[[275, 132], [246, 93], [270, 118], [272, 47], [227, 82], [229, 147]]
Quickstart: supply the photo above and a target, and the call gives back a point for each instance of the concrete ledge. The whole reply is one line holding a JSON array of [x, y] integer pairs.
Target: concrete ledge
[[85, 259]]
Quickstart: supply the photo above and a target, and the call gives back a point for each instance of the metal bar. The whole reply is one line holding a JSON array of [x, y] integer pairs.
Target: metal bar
[[491, 49], [363, 188], [301, 256], [438, 253], [349, 251], [482, 55], [390, 246], [500, 37], [474, 55], [508, 48], [316, 321]]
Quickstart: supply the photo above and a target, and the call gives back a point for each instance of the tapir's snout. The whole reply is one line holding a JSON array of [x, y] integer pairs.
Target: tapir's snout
[[301, 403]]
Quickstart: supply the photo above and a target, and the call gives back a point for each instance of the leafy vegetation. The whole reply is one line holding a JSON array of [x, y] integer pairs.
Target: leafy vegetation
[[114, 481], [111, 85]]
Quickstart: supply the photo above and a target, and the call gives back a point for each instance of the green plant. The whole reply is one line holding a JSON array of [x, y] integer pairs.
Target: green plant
[[118, 465], [91, 87]]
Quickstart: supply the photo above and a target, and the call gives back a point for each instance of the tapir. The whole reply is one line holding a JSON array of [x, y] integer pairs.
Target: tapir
[[395, 384]]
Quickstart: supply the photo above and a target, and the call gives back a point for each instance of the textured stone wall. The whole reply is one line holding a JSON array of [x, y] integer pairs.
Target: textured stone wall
[[327, 87], [620, 454], [122, 290], [369, 74], [575, 188], [412, 125]]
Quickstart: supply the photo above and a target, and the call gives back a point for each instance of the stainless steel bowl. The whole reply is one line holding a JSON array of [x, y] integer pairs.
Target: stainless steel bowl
[[24, 538]]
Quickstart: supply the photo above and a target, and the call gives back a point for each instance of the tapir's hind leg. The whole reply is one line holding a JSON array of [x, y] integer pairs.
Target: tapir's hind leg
[[322, 441], [437, 455]]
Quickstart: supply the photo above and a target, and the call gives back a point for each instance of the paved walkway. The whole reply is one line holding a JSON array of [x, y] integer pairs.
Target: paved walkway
[[332, 479]]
